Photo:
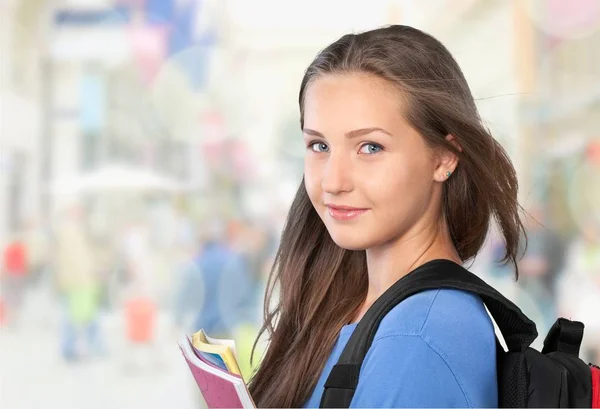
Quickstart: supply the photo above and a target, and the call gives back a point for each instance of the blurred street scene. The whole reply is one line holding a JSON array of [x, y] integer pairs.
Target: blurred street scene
[[150, 149]]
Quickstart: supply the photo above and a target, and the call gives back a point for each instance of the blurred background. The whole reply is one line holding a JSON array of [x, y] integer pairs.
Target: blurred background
[[150, 150]]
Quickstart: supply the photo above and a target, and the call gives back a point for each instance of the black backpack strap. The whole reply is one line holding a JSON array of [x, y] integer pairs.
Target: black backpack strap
[[518, 330], [564, 336]]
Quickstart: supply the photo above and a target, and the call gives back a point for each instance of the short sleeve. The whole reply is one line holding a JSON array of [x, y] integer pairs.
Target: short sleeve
[[405, 371], [438, 351]]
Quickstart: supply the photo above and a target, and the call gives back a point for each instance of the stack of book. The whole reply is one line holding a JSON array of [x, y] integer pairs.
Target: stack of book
[[215, 369]]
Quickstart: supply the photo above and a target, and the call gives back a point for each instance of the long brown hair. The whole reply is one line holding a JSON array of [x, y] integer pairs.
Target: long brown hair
[[321, 286]]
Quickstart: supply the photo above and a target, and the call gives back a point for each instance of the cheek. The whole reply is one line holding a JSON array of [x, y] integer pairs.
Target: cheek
[[392, 195], [395, 188], [385, 180]]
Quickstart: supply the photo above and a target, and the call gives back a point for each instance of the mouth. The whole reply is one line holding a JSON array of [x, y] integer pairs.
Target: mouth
[[344, 213]]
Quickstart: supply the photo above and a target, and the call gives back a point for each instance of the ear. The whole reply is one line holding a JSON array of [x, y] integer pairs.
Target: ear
[[447, 161]]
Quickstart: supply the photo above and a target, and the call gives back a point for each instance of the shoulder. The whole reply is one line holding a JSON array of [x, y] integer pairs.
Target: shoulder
[[439, 312], [399, 371], [442, 337]]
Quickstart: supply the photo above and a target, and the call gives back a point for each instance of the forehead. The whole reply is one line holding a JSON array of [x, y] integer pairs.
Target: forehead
[[359, 98]]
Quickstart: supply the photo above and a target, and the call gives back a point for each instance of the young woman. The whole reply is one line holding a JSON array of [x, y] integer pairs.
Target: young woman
[[399, 171]]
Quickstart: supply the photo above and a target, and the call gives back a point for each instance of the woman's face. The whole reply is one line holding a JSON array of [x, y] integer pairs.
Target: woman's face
[[362, 154]]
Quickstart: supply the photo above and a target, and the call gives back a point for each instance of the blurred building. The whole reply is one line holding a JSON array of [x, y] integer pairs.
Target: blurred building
[[564, 118], [21, 167], [200, 90]]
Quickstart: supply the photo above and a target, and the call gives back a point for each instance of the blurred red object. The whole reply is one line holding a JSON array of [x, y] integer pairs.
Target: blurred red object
[[140, 317], [15, 258], [593, 152], [149, 50]]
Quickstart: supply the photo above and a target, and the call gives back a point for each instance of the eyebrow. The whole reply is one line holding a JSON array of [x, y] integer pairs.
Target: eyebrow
[[350, 134]]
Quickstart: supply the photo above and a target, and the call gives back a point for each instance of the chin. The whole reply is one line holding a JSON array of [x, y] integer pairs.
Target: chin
[[350, 241]]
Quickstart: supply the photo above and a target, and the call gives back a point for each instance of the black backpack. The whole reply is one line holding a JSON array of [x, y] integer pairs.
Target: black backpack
[[556, 377]]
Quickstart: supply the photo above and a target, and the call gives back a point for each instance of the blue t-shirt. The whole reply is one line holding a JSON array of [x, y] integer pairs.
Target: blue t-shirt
[[435, 349]]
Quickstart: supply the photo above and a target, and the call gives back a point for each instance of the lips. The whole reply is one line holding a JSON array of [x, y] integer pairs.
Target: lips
[[344, 213]]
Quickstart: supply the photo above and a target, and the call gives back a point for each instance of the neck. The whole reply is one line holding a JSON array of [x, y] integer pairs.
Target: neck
[[388, 263]]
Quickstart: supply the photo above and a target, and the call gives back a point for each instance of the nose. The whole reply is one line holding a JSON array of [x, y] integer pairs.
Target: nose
[[337, 177]]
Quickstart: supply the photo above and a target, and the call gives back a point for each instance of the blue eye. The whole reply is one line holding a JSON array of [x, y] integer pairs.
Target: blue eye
[[371, 148], [319, 147]]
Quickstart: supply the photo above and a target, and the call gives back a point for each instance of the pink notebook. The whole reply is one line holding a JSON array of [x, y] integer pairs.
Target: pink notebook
[[220, 388]]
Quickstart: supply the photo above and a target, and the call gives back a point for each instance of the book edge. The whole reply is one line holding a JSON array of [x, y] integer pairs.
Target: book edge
[[238, 382], [186, 349]]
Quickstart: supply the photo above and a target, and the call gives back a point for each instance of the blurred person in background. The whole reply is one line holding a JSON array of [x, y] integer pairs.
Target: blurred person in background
[[227, 279], [261, 247], [228, 288], [579, 286], [188, 288], [78, 284], [139, 296], [248, 242], [189, 292], [541, 264], [220, 289], [250, 246], [13, 279]]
